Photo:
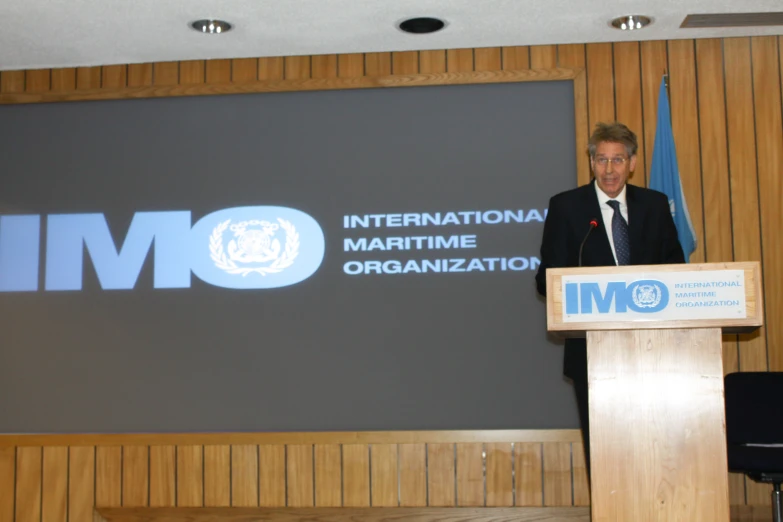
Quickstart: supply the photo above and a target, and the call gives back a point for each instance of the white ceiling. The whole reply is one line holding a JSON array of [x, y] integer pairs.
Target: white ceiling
[[59, 33]]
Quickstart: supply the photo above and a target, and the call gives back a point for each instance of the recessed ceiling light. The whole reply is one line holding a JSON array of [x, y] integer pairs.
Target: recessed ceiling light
[[423, 25], [631, 22], [209, 26]]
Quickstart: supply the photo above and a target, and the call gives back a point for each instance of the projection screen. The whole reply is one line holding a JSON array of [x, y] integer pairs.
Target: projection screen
[[335, 260]]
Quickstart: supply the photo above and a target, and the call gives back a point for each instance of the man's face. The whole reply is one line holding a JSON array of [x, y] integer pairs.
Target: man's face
[[611, 167]]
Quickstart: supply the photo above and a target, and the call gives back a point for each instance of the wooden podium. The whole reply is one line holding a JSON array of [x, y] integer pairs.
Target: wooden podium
[[655, 379]]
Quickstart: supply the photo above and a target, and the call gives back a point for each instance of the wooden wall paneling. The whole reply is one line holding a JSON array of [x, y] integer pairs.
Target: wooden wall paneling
[[271, 68], [384, 480], [190, 476], [515, 58], [685, 127], [88, 78], [744, 198], [135, 476], [244, 70], [557, 474], [299, 474], [377, 64], [12, 81], [573, 56], [499, 474], [64, 79], [459, 60], [324, 66], [272, 475], [217, 71], [757, 494], [742, 149], [29, 462], [356, 475], [54, 501], [297, 67], [37, 80], [431, 62], [81, 483], [736, 489], [528, 468], [769, 144], [192, 72], [350, 65], [217, 475], [470, 475], [440, 475], [244, 475], [7, 476], [744, 179], [328, 475], [405, 62], [114, 76], [654, 61], [165, 73], [163, 476], [581, 485], [543, 56], [628, 84], [750, 514], [108, 476], [139, 74], [716, 191], [488, 59], [413, 475], [600, 84]]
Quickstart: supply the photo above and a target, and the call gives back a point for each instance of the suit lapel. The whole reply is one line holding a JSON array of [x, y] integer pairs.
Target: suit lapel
[[635, 222]]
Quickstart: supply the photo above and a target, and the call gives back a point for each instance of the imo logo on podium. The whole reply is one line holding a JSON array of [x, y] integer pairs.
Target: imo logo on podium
[[243, 248], [643, 296]]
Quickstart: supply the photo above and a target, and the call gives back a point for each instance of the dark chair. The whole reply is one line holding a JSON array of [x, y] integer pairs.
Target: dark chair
[[754, 429]]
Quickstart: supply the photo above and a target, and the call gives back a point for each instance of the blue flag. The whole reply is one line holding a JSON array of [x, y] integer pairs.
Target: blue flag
[[665, 176]]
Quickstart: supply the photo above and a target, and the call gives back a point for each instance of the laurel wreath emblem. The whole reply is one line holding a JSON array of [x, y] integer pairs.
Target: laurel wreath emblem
[[228, 265], [637, 299]]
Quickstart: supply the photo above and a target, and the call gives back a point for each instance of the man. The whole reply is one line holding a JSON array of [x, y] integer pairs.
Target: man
[[635, 227]]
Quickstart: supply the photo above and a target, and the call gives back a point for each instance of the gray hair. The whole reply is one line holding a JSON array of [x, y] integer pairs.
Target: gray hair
[[613, 133]]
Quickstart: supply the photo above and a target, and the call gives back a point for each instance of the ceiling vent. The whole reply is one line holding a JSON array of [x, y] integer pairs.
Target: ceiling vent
[[732, 20]]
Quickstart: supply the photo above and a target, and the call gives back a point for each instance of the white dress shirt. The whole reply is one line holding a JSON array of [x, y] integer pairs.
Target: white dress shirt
[[607, 213]]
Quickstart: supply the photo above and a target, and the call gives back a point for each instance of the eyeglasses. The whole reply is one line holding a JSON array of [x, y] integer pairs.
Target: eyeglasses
[[616, 161]]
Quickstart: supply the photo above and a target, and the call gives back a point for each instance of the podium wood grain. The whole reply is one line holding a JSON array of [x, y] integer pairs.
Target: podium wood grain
[[657, 427]]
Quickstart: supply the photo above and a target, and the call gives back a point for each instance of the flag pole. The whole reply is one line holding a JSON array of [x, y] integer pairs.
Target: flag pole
[[668, 91]]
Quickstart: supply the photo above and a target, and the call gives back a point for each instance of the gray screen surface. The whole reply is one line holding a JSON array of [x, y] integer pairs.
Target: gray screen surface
[[341, 349]]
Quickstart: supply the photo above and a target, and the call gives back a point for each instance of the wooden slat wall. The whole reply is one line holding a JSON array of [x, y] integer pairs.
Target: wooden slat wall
[[726, 113], [59, 483], [63, 483]]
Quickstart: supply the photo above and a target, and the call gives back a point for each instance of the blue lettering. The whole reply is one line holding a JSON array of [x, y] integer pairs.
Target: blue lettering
[[643, 296], [614, 291], [572, 298]]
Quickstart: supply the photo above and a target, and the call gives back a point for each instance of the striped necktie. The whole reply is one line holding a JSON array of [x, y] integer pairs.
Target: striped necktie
[[622, 244]]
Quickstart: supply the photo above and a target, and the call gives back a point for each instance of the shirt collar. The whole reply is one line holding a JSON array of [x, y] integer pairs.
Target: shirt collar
[[603, 198]]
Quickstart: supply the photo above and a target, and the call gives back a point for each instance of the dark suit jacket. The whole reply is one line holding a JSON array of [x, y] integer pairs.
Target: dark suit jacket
[[651, 231]]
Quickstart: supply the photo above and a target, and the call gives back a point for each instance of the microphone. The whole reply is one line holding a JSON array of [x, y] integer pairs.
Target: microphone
[[593, 225]]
